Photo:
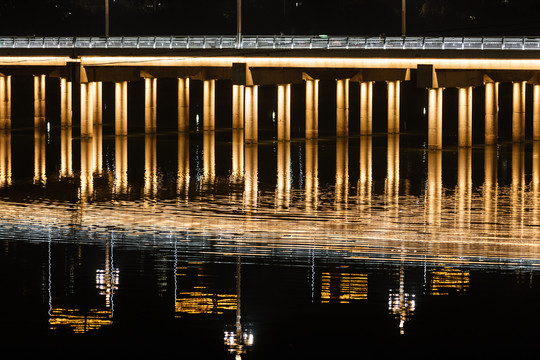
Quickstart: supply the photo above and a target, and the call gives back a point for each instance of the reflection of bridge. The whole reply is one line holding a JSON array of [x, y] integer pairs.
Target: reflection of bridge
[[440, 62]]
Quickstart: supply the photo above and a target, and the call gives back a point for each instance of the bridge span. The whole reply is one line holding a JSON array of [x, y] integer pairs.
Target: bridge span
[[82, 64]]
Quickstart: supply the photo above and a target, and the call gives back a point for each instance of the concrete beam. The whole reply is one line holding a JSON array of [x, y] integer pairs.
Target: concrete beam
[[382, 75], [459, 79]]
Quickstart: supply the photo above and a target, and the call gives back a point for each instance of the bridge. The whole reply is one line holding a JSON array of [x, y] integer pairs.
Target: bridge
[[82, 64]]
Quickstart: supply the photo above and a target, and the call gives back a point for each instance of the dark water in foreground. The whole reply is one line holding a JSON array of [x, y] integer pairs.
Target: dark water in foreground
[[209, 248]]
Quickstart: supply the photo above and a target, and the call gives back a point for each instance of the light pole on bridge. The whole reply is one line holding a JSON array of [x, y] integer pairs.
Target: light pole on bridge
[[238, 22], [106, 17], [403, 17]]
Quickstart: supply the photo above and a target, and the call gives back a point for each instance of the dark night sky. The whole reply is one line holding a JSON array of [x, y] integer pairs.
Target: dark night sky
[[311, 17]]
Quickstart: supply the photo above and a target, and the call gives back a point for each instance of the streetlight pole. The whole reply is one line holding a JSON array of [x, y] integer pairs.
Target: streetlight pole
[[403, 17], [238, 22], [106, 17]]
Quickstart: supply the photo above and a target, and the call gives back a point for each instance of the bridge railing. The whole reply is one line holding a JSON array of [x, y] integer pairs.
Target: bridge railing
[[273, 42]]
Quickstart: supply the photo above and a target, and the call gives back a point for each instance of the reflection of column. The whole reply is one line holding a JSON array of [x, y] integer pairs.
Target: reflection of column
[[366, 107], [121, 165], [5, 157], [251, 117], [312, 109], [434, 190], [150, 166], [238, 106], [237, 154], [312, 174], [39, 156], [251, 188], [150, 105], [490, 186], [283, 185], [183, 164], [209, 156], [183, 104], [66, 152], [342, 171], [465, 98], [517, 192], [392, 171], [393, 106], [342, 107], [284, 112], [87, 110], [492, 112], [87, 169], [365, 179], [464, 186], [121, 108], [435, 118], [535, 186], [98, 148], [209, 104], [5, 102], [39, 100], [518, 113]]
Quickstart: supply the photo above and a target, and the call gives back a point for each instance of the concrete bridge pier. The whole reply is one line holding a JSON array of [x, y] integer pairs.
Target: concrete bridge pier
[[394, 89], [312, 108], [5, 102], [209, 104], [435, 118], [284, 112], [518, 113], [465, 107], [342, 107], [183, 104], [66, 93], [491, 112], [39, 100], [366, 107], [87, 110], [251, 113], [121, 108], [238, 99], [536, 112], [150, 105]]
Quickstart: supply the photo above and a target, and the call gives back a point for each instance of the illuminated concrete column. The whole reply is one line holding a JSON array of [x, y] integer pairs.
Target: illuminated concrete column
[[5, 102], [465, 99], [40, 141], [434, 190], [39, 100], [394, 90], [183, 104], [435, 118], [490, 186], [87, 169], [238, 97], [365, 179], [251, 177], [209, 104], [342, 107], [464, 186], [98, 102], [312, 174], [491, 113], [183, 175], [284, 112], [121, 108], [518, 111], [66, 102], [251, 117], [342, 173], [392, 170], [66, 152], [209, 157], [5, 157], [150, 166], [150, 105], [366, 108], [536, 112], [120, 165], [312, 109], [283, 183], [87, 110], [237, 154]]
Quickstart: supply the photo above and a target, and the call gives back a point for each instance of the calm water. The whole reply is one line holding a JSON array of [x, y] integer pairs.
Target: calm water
[[200, 246]]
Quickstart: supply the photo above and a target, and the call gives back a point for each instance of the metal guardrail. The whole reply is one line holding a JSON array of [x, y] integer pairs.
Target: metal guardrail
[[273, 42]]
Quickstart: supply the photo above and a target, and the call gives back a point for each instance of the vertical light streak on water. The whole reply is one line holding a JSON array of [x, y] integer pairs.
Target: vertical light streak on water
[[49, 273]]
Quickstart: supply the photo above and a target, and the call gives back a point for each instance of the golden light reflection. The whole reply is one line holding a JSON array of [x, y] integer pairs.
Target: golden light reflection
[[490, 188], [209, 157], [97, 141], [5, 157], [150, 166], [464, 187], [434, 193], [365, 180], [283, 183], [237, 171], [392, 173], [340, 287], [312, 175], [400, 303], [79, 322], [120, 165], [66, 152], [182, 186], [40, 143], [342, 173], [87, 169], [448, 281], [251, 178]]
